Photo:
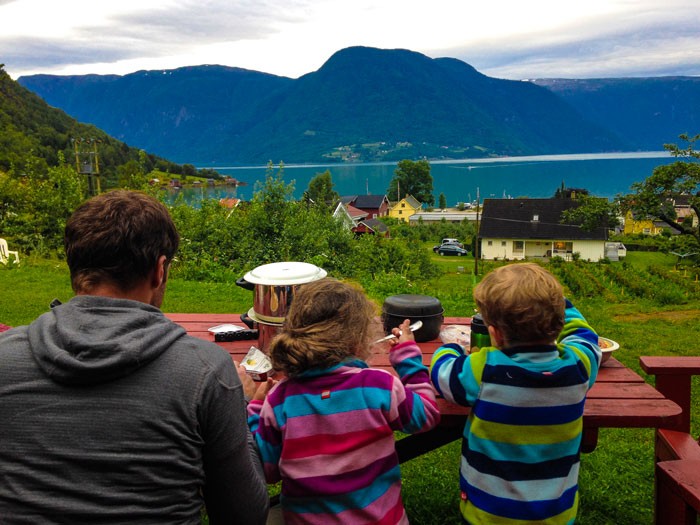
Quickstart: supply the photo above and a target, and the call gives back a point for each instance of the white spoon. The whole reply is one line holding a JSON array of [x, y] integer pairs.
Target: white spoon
[[415, 326]]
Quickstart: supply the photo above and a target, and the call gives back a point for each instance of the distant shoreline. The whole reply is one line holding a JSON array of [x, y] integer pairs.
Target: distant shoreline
[[525, 158]]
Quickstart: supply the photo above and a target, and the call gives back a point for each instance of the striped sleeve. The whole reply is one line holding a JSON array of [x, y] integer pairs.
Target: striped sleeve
[[456, 376], [267, 437], [413, 394], [578, 335]]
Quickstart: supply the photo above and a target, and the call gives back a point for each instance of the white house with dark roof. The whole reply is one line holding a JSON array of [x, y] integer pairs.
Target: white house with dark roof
[[517, 229]]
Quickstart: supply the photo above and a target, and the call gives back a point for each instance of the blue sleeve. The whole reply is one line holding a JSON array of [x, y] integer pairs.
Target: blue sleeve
[[578, 335], [456, 376], [267, 438]]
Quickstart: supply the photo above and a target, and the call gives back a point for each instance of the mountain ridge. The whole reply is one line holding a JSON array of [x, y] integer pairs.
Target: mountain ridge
[[363, 104]]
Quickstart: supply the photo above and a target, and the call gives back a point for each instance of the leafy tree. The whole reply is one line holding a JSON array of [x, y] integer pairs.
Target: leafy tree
[[593, 212], [131, 175], [35, 206], [320, 190], [413, 178], [654, 196], [443, 201], [189, 170]]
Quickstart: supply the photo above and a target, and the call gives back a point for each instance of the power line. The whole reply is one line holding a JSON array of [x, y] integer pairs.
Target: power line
[[530, 222]]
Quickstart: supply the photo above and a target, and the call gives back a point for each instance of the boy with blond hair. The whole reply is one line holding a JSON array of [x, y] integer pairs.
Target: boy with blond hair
[[520, 455]]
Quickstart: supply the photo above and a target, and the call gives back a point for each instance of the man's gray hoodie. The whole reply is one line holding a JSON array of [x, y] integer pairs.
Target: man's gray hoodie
[[110, 413]]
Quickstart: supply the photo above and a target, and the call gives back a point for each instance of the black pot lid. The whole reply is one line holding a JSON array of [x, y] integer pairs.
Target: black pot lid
[[412, 305]]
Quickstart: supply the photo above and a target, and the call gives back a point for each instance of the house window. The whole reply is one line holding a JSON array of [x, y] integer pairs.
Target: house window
[[403, 204], [535, 217], [400, 212], [563, 247], [503, 243], [518, 246], [490, 243]]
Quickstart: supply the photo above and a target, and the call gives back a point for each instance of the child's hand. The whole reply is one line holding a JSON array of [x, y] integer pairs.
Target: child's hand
[[247, 382], [402, 333], [263, 389]]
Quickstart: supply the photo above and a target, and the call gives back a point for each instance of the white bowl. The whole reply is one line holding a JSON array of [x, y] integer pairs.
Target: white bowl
[[607, 346]]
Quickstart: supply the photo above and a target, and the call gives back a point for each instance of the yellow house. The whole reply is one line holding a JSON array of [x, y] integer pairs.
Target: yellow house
[[406, 207], [646, 225]]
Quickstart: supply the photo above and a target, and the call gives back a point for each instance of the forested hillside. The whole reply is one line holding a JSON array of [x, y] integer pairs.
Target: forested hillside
[[649, 112], [32, 134]]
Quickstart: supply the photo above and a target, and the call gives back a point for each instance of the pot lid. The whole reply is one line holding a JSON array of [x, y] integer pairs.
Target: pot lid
[[285, 273], [412, 305]]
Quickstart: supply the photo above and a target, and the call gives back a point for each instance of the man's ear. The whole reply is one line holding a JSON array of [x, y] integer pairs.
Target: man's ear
[[159, 273]]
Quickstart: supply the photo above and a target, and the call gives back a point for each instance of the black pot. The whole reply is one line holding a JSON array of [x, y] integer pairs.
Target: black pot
[[423, 308]]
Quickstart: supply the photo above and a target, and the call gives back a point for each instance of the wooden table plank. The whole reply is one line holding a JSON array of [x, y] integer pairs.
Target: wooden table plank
[[623, 391], [630, 413]]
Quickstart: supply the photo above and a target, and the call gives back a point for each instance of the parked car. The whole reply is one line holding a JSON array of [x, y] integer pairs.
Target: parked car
[[450, 241], [451, 249]]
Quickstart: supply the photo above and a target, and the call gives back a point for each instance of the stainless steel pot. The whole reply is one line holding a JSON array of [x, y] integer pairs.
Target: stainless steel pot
[[273, 286]]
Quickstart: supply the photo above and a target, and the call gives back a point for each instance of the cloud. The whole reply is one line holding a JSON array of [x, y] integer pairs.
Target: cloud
[[29, 53], [618, 48], [504, 38], [202, 22]]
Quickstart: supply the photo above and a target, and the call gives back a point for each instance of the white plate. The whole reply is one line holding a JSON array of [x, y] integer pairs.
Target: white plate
[[612, 345], [224, 328]]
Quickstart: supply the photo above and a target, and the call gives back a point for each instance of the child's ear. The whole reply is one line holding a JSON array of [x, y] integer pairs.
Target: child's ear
[[497, 338]]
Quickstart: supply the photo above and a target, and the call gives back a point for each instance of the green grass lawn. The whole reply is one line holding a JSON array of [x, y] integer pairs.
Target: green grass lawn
[[616, 479]]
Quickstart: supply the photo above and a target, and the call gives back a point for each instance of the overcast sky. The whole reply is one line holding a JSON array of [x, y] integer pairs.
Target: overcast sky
[[512, 39]]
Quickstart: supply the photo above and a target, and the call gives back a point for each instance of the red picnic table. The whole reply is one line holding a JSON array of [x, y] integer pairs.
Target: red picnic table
[[620, 397]]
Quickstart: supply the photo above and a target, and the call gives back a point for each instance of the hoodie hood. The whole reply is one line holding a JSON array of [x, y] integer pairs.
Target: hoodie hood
[[91, 339]]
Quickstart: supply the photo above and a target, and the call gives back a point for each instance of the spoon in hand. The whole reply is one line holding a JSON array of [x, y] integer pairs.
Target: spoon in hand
[[415, 326]]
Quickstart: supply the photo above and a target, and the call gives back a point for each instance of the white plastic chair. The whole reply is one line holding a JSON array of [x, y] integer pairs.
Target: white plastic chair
[[5, 253]]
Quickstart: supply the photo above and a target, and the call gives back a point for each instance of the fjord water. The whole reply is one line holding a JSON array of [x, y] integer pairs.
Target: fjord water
[[604, 175]]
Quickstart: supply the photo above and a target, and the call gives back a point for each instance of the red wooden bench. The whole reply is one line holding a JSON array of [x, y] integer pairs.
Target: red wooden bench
[[677, 451], [677, 492]]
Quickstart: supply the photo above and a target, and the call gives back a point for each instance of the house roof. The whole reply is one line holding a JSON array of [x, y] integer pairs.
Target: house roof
[[437, 216], [355, 213], [532, 219], [376, 225], [665, 226], [413, 202], [364, 201], [229, 202], [681, 200]]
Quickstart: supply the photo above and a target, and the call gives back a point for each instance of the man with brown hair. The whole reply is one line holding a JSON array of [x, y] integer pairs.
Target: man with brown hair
[[522, 440], [110, 412]]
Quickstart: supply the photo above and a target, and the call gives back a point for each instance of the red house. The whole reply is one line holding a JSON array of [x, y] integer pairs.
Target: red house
[[374, 205], [371, 226]]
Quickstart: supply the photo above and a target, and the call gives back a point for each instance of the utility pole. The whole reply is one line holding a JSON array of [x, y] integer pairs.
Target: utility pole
[[87, 162], [476, 243]]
